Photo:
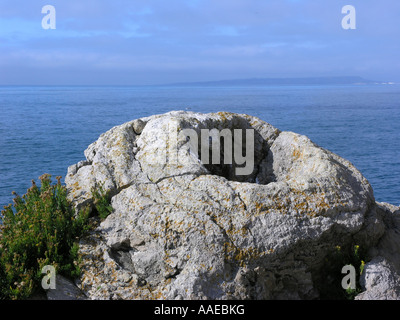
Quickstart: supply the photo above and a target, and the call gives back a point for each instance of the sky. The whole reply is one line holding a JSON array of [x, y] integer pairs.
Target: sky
[[142, 42]]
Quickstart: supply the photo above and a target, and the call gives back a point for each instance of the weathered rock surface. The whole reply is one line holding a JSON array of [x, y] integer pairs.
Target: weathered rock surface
[[190, 230], [380, 281], [65, 289], [381, 276]]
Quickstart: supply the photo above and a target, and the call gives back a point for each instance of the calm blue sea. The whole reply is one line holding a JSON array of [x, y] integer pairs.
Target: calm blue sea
[[46, 129]]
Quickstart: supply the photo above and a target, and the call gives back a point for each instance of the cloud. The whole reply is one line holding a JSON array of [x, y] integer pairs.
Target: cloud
[[237, 51], [227, 31], [196, 38]]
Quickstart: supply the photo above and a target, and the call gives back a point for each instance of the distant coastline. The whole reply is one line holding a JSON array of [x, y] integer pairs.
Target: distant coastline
[[306, 81]]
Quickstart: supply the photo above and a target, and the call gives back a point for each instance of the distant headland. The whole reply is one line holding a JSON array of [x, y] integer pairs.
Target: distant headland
[[345, 80]]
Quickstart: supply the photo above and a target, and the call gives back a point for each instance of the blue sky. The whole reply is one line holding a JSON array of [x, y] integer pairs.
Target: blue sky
[[121, 42]]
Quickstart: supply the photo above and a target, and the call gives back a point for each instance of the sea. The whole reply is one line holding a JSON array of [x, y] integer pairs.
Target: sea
[[45, 129]]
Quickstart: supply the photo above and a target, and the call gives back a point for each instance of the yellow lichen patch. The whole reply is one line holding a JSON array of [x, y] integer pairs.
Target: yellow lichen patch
[[154, 235], [298, 202], [242, 256], [244, 231], [224, 115], [76, 187], [296, 154]]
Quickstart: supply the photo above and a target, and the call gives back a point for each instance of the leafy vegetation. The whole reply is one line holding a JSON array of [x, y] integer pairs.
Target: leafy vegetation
[[331, 279], [41, 228], [101, 200]]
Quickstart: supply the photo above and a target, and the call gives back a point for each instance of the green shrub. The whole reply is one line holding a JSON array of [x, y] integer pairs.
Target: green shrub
[[331, 278], [101, 200], [40, 228]]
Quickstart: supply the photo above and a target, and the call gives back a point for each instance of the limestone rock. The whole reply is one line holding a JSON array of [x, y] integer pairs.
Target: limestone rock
[[186, 228], [381, 276], [65, 290], [138, 126], [389, 244], [380, 281]]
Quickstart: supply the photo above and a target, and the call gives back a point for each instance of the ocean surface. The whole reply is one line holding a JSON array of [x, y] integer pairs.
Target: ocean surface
[[46, 129]]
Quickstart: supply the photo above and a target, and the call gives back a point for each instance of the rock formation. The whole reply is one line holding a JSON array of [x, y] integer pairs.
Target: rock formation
[[182, 228]]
